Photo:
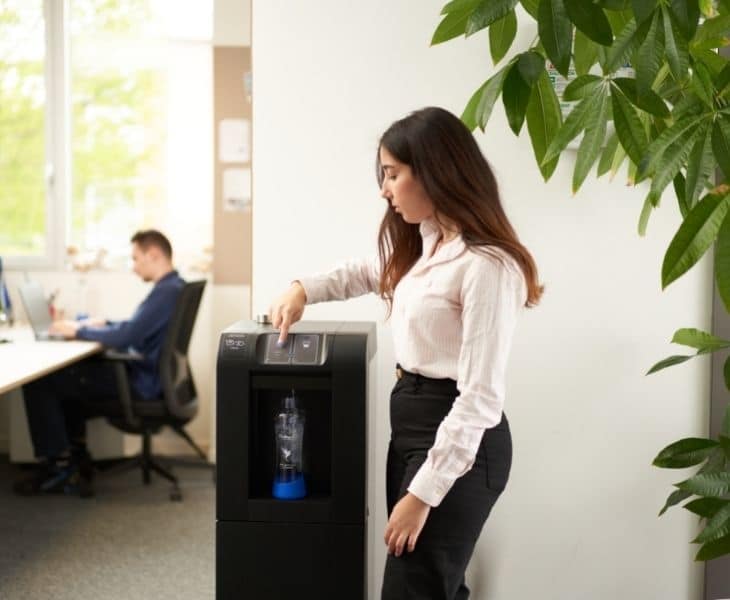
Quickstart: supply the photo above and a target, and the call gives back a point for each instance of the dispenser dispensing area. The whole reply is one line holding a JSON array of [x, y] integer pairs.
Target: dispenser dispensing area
[[292, 425]]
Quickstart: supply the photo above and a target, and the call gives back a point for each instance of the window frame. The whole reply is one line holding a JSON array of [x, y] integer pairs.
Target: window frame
[[57, 156]]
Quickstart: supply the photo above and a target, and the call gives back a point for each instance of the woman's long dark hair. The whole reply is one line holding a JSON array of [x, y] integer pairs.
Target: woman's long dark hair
[[445, 158]]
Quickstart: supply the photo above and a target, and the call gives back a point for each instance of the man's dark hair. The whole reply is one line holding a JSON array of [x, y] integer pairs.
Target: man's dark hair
[[151, 237]]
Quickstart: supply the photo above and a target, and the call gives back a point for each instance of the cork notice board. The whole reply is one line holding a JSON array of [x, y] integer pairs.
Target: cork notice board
[[232, 166]]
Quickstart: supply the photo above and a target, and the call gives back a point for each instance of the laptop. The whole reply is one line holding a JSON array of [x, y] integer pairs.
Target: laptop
[[36, 309]]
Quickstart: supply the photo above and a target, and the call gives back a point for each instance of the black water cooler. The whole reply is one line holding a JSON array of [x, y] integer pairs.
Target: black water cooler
[[314, 547]]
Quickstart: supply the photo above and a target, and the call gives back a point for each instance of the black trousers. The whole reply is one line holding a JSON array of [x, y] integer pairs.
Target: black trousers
[[58, 405], [435, 569]]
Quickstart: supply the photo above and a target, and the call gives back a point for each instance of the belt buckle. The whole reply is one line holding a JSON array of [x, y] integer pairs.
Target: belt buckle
[[399, 373]]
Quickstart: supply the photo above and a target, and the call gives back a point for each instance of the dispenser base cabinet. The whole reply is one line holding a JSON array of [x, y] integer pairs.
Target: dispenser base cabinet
[[302, 562], [310, 548]]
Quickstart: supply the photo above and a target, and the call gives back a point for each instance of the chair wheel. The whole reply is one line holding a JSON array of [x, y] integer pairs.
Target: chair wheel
[[175, 495]]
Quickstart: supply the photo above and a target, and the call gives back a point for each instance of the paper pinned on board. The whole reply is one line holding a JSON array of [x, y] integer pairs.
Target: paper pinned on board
[[236, 190], [234, 140]]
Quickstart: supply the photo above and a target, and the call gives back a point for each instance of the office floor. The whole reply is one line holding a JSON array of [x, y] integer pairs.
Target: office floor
[[129, 542]]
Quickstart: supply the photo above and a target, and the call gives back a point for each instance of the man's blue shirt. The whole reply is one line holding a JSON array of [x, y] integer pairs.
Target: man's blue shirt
[[143, 333]]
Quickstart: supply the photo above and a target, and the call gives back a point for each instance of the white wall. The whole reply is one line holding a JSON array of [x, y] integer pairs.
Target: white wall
[[578, 519], [232, 23]]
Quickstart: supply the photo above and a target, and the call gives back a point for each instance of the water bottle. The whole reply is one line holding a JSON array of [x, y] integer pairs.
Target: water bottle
[[289, 481]]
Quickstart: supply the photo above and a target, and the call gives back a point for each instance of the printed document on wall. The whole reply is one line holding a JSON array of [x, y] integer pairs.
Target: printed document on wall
[[234, 137], [236, 190]]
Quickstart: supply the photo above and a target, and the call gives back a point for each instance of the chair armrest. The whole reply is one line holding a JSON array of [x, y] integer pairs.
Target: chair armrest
[[125, 356]]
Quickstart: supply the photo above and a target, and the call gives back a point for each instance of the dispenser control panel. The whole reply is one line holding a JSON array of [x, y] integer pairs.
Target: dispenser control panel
[[299, 349]]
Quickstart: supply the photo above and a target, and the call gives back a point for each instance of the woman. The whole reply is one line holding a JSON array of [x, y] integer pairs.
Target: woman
[[455, 277]]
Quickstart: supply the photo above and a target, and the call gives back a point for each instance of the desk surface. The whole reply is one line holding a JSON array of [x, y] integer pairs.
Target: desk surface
[[24, 359]]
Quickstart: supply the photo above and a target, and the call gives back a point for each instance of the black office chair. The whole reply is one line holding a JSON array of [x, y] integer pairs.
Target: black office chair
[[178, 403]]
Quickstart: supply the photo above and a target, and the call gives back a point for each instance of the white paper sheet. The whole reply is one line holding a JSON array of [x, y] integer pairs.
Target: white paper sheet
[[236, 190], [234, 140]]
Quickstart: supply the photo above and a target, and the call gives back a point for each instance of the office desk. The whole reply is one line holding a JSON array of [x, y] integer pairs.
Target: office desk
[[24, 359]]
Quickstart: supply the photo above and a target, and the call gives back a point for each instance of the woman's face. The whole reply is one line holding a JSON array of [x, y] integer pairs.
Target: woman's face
[[403, 190]]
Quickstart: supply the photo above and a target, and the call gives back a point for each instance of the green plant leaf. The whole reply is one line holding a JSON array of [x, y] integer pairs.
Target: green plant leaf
[[675, 47], [701, 340], [721, 81], [687, 15], [675, 497], [618, 160], [628, 126], [531, 65], [684, 453], [701, 83], [713, 32], [714, 485], [669, 362], [650, 56], [580, 87], [696, 234], [488, 12], [592, 142], [679, 190], [643, 224], [722, 270], [721, 144], [501, 35], [706, 507], [469, 116], [479, 108], [700, 166], [460, 6], [725, 429], [717, 526], [531, 7], [679, 130], [649, 101], [643, 9], [556, 33], [574, 123], [714, 549], [604, 164], [725, 445], [515, 96], [623, 46], [673, 159], [543, 121], [615, 4], [585, 53], [452, 25], [591, 20]]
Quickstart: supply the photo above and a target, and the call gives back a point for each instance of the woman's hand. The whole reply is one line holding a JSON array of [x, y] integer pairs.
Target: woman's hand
[[405, 524], [288, 309]]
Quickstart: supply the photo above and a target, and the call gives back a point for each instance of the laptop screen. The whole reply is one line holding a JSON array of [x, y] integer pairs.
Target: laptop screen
[[36, 306]]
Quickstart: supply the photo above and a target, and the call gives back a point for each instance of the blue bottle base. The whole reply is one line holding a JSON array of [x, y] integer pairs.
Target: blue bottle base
[[289, 490]]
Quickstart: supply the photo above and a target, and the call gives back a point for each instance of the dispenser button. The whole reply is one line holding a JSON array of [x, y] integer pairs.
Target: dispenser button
[[306, 349], [276, 355]]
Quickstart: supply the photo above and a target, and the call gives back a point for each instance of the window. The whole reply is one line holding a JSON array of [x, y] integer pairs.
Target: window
[[130, 97], [23, 210]]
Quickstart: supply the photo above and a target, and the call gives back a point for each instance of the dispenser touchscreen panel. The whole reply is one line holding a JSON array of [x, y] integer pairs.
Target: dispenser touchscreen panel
[[276, 355], [306, 347], [299, 349]]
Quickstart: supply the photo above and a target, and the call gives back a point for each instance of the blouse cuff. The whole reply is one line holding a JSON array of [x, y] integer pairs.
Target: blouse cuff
[[310, 289], [429, 486]]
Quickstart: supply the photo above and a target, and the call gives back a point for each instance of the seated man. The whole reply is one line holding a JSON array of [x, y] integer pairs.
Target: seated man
[[59, 404]]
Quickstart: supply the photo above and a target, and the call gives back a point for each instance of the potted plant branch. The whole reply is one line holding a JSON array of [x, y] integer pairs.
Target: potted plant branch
[[647, 88]]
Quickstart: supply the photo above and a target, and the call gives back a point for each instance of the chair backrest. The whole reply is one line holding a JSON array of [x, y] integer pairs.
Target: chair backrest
[[178, 387]]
